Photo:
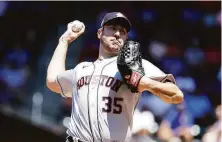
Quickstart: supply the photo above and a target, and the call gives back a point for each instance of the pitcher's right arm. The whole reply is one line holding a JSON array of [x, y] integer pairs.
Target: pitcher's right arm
[[56, 66]]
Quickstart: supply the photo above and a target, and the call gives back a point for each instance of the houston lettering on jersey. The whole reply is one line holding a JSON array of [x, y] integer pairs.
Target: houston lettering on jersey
[[103, 80]]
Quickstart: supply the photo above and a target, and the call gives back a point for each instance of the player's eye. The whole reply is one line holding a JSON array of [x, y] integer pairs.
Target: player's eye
[[112, 28], [122, 31]]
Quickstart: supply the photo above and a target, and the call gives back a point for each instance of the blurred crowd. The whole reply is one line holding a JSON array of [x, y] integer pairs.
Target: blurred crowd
[[184, 40]]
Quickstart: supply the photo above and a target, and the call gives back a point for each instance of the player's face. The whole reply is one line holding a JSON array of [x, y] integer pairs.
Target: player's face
[[113, 37]]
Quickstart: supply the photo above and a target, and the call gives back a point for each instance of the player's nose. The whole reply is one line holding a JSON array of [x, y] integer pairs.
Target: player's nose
[[117, 34]]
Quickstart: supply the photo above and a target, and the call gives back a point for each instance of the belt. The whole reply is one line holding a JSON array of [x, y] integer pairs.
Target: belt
[[72, 139]]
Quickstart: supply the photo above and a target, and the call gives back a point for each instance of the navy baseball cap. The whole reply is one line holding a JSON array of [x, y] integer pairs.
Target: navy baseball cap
[[116, 18]]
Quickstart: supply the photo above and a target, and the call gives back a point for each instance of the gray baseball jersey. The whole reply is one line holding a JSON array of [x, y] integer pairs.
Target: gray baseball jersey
[[102, 105]]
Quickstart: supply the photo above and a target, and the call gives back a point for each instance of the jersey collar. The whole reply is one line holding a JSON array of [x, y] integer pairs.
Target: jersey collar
[[106, 59]]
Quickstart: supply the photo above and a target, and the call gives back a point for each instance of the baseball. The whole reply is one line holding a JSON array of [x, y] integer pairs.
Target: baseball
[[77, 26]]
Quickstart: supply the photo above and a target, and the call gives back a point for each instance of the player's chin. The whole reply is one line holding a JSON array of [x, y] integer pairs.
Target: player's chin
[[114, 50]]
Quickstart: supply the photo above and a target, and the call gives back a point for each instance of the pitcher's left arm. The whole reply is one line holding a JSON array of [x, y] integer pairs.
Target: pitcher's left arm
[[164, 87]]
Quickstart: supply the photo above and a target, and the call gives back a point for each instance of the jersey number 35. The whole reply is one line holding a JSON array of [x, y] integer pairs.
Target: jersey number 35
[[112, 105]]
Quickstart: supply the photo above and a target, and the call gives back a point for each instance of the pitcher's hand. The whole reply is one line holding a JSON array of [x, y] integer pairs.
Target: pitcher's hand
[[74, 30]]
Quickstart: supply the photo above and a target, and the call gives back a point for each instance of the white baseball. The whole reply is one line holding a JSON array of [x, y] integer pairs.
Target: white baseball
[[77, 26]]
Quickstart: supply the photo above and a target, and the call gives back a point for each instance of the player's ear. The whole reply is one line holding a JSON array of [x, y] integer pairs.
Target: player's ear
[[99, 33], [127, 37]]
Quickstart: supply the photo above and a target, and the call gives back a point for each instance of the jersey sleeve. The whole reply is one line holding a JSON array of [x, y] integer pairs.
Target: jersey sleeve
[[155, 73], [66, 81], [151, 70]]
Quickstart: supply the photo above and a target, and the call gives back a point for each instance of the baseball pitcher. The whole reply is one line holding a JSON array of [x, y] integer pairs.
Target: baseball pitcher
[[105, 92]]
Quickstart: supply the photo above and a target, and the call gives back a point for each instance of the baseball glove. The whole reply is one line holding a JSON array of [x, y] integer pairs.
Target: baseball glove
[[129, 63]]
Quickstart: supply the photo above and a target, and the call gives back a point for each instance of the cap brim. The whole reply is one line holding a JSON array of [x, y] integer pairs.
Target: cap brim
[[119, 21]]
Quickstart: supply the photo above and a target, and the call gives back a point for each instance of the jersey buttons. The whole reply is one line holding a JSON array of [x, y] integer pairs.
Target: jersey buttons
[[92, 86]]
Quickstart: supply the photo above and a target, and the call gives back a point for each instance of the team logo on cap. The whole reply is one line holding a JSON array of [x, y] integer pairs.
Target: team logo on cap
[[119, 15]]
